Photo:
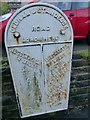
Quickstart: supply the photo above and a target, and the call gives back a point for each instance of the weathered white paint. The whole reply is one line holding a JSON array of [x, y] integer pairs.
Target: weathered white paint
[[39, 42]]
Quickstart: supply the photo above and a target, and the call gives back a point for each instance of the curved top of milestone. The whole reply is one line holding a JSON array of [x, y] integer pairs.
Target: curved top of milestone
[[38, 23]]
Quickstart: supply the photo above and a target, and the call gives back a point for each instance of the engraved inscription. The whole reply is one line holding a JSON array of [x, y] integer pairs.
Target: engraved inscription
[[41, 39], [56, 15], [24, 58], [38, 10], [57, 52], [40, 29], [30, 75], [56, 76]]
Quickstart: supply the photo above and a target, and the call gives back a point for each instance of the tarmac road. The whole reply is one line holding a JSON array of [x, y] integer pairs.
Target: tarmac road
[[80, 45]]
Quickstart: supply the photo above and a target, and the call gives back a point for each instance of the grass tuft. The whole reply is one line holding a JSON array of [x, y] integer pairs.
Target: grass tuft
[[84, 54]]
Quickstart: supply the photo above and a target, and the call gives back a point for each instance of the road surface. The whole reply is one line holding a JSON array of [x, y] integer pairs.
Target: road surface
[[80, 45]]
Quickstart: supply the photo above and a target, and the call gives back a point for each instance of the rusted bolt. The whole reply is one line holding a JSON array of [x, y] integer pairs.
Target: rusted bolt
[[16, 34], [62, 32]]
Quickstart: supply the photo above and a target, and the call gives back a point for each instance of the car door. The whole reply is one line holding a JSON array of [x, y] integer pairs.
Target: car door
[[82, 23]]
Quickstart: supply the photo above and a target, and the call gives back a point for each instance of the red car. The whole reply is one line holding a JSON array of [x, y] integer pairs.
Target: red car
[[77, 12], [3, 22], [79, 16]]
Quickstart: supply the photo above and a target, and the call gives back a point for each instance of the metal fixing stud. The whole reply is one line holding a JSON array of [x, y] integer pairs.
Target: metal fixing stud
[[62, 32]]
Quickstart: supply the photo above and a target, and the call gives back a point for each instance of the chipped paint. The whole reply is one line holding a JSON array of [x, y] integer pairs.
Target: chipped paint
[[40, 56], [57, 69]]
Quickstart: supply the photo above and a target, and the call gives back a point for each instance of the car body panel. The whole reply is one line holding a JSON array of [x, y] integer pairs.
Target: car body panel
[[3, 26], [82, 23], [72, 19]]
